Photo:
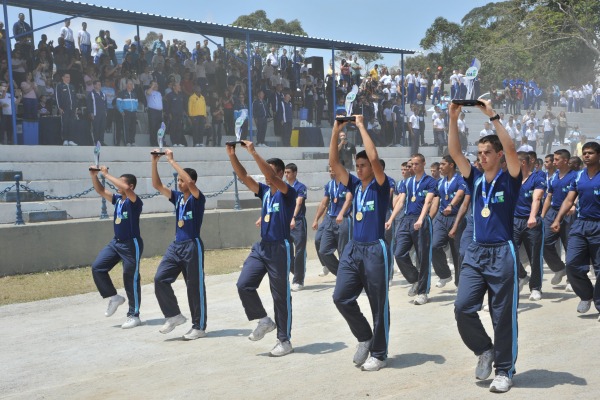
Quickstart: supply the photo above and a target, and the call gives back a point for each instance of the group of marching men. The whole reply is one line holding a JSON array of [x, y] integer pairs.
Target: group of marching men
[[485, 214]]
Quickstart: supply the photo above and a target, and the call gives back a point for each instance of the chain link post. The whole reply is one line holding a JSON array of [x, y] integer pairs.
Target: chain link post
[[176, 187], [103, 211], [19, 220], [236, 206]]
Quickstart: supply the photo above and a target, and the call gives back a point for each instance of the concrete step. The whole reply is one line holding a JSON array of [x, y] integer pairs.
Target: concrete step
[[25, 197], [44, 216]]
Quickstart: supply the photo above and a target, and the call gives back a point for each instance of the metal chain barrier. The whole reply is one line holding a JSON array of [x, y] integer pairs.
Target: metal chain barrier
[[8, 189], [50, 197], [220, 192], [143, 196]]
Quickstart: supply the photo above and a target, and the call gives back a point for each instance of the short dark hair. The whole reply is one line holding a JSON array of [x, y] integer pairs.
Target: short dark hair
[[594, 146], [277, 163], [550, 155], [362, 154], [532, 154], [448, 159], [435, 164], [494, 140], [524, 156], [564, 153], [192, 173], [131, 179], [292, 167], [382, 163], [404, 164], [418, 155], [576, 160]]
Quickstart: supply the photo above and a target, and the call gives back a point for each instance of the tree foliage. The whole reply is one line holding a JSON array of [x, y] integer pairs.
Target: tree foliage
[[149, 39], [259, 20], [552, 41]]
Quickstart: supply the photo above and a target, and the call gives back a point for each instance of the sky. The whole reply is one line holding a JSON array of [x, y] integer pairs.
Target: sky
[[402, 24]]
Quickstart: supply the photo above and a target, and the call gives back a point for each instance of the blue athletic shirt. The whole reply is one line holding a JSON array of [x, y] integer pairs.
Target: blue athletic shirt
[[191, 212], [423, 186], [498, 227], [334, 190], [525, 200], [559, 187], [129, 228], [392, 183], [374, 208], [588, 190], [280, 208], [301, 192], [455, 184]]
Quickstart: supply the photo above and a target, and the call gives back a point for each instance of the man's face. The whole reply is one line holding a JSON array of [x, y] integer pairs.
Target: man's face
[[418, 165], [66, 78], [488, 157], [363, 169], [560, 162], [97, 86], [444, 168], [409, 168], [84, 26], [435, 172], [160, 36], [290, 175], [549, 163], [331, 173], [130, 86], [590, 157], [343, 138], [21, 17]]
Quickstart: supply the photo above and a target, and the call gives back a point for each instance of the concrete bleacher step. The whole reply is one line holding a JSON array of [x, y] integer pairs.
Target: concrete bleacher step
[[44, 216], [11, 197]]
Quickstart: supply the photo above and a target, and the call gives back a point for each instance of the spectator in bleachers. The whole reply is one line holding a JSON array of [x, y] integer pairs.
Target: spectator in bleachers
[[66, 100], [127, 104], [19, 66], [6, 126], [67, 34], [197, 113], [96, 106], [84, 40], [30, 98], [154, 102], [159, 44]]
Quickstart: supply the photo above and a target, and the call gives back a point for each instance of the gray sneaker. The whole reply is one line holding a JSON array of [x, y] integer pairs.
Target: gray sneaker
[[421, 299], [325, 272], [484, 365], [442, 282], [413, 289], [584, 306], [194, 334], [262, 329], [171, 323], [131, 322], [113, 304], [362, 352], [501, 384], [281, 349], [558, 276], [523, 282], [373, 364]]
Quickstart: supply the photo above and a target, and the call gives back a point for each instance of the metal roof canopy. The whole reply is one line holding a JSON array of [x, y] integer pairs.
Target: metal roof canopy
[[74, 8]]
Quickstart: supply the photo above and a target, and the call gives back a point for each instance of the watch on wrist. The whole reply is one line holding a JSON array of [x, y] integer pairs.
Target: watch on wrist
[[495, 117]]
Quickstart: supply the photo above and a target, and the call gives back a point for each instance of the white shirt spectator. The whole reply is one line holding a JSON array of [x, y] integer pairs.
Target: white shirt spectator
[[273, 58], [462, 127], [547, 125], [67, 34], [84, 37], [438, 123], [414, 121], [525, 147], [485, 132], [531, 134], [437, 83]]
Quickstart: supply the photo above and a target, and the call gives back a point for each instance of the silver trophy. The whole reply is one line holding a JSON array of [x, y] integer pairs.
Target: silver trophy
[[97, 148], [350, 97], [161, 140]]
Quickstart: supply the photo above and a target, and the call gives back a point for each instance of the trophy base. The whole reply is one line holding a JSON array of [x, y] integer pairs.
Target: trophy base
[[351, 118], [94, 169], [235, 142], [157, 153]]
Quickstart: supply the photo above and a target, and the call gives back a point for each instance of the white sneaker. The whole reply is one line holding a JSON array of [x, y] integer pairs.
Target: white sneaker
[[373, 364], [171, 323], [442, 282], [569, 288], [113, 304], [536, 295], [501, 384], [262, 329], [281, 349], [523, 282], [584, 306], [413, 289], [484, 365], [421, 299], [66, 143], [557, 278], [325, 272], [362, 352], [194, 334], [296, 287], [72, 143], [131, 322]]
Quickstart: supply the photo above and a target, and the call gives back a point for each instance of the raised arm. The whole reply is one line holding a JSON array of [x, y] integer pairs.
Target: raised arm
[[334, 154], [130, 194], [512, 160], [184, 176], [101, 190], [266, 169], [454, 147], [371, 151], [156, 182]]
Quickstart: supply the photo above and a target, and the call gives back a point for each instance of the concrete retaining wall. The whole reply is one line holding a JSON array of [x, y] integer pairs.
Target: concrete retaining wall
[[67, 244]]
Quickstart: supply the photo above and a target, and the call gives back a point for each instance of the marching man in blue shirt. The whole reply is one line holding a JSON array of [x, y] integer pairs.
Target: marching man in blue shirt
[[273, 255], [584, 237], [364, 263], [490, 263]]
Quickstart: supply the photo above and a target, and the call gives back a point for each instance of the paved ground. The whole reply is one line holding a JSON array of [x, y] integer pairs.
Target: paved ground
[[66, 348]]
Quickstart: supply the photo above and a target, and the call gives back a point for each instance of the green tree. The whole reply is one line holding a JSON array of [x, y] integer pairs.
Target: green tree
[[149, 39]]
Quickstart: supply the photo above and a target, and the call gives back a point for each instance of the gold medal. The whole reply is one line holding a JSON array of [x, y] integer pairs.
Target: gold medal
[[335, 200], [485, 212], [117, 220], [359, 216], [180, 223], [446, 197], [267, 217], [413, 199]]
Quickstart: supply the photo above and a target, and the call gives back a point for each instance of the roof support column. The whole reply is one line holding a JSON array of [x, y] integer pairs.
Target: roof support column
[[334, 105], [249, 65], [31, 24]]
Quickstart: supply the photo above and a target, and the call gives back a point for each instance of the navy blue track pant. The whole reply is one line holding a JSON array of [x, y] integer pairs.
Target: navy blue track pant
[[406, 238], [491, 269], [365, 266], [584, 247], [275, 259], [551, 239], [299, 235], [185, 257], [532, 239], [130, 253], [441, 227], [333, 237]]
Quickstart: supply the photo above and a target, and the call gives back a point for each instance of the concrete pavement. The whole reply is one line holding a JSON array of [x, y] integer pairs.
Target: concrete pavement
[[65, 348]]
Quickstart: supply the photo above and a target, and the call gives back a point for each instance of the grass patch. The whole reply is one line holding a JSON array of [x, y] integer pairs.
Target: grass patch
[[47, 285]]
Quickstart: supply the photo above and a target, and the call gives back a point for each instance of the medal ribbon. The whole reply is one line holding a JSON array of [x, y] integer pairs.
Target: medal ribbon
[[120, 204], [414, 191], [486, 198], [182, 206], [268, 201], [361, 197], [447, 184]]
